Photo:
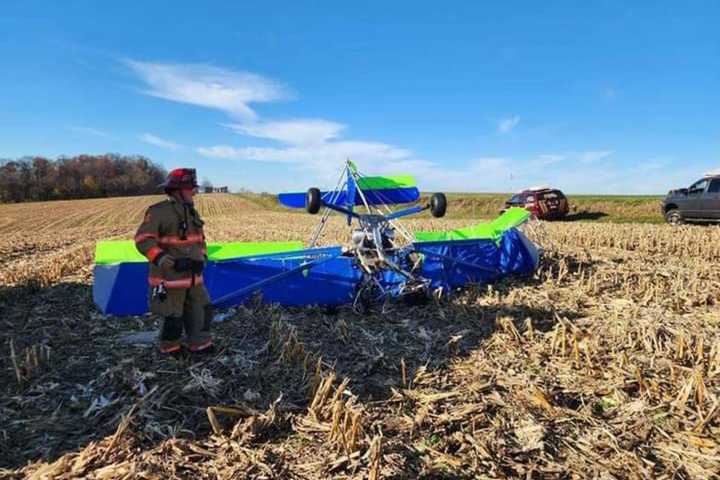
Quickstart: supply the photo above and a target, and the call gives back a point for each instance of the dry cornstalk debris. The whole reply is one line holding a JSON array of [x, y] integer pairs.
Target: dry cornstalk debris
[[605, 364]]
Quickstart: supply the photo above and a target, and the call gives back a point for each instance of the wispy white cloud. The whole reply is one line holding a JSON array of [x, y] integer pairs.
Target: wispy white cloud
[[478, 174], [506, 125], [644, 176], [292, 132], [208, 86], [652, 165], [549, 159], [321, 156], [489, 165], [90, 131], [593, 155], [319, 163], [324, 159], [159, 142], [310, 145], [314, 148], [545, 160]]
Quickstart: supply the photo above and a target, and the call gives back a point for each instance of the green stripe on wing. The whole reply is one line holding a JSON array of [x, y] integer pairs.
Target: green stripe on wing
[[513, 217], [109, 252], [378, 183]]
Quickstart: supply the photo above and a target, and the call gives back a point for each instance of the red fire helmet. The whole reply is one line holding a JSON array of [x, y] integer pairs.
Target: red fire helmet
[[180, 178]]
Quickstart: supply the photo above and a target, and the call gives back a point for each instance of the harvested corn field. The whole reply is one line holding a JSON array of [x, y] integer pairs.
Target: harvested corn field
[[605, 364]]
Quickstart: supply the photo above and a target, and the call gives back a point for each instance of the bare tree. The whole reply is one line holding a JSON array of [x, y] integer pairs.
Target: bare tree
[[83, 176]]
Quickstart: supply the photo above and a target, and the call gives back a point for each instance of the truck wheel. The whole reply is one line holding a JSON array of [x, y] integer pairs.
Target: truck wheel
[[438, 205], [674, 217], [313, 201]]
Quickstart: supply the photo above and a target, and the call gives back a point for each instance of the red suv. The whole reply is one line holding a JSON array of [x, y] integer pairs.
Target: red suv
[[544, 202]]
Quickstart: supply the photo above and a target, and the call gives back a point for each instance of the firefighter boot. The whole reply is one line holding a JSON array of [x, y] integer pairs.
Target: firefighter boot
[[197, 325], [170, 335]]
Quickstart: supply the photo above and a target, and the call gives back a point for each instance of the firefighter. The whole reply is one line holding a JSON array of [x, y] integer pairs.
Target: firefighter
[[171, 237]]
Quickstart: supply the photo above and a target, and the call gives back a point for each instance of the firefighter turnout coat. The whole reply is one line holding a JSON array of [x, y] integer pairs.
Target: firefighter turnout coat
[[175, 229]]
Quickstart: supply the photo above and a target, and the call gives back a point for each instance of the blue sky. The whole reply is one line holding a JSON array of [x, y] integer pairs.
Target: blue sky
[[594, 97]]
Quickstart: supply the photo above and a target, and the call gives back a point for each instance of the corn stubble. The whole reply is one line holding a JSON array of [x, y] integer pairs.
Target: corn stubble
[[605, 364]]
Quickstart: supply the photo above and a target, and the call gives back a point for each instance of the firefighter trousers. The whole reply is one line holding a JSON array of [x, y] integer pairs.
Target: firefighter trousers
[[185, 310]]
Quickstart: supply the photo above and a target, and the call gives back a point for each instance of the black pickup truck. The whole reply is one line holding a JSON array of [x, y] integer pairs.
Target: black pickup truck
[[700, 202]]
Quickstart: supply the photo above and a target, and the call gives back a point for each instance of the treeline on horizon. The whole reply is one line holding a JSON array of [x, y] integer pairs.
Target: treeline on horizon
[[83, 176]]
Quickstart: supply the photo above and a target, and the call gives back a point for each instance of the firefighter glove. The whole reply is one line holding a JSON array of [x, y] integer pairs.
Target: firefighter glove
[[189, 265], [165, 261]]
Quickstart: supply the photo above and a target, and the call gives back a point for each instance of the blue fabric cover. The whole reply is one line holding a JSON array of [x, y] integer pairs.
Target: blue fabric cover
[[332, 282], [455, 263], [121, 289], [384, 196]]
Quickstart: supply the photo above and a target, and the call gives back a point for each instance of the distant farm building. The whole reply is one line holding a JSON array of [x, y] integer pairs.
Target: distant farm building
[[211, 189]]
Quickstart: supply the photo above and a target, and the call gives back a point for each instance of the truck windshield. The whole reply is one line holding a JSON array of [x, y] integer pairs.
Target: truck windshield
[[698, 186]]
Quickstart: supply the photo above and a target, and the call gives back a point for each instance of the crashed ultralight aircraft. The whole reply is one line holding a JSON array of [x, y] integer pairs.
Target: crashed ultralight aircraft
[[383, 261]]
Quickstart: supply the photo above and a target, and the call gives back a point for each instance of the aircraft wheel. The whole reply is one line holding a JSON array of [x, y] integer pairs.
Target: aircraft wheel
[[313, 201], [438, 205]]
